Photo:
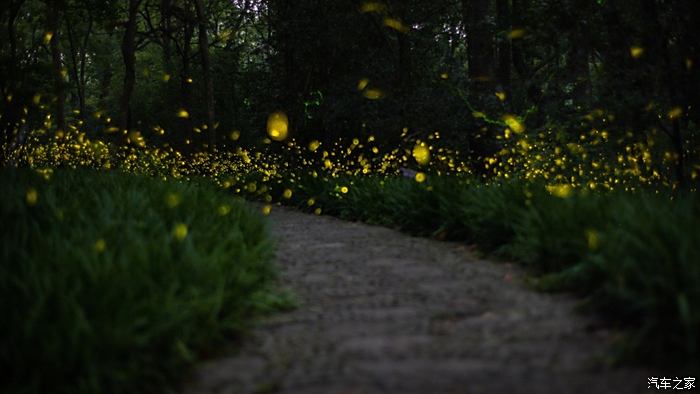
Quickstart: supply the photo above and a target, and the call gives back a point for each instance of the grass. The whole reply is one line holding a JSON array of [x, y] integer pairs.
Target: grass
[[633, 256], [115, 283], [650, 259]]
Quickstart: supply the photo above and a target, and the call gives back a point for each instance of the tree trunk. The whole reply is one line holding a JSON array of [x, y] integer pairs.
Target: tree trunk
[[9, 119], [128, 48], [78, 60], [477, 20], [185, 73], [283, 13], [659, 39], [480, 56], [577, 69], [206, 70], [105, 82], [504, 44], [53, 18], [521, 66], [166, 30], [578, 55], [13, 13]]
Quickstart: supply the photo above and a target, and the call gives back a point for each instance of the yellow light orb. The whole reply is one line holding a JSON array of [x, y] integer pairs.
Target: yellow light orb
[[313, 145], [513, 123], [373, 94], [421, 153], [560, 190], [675, 112], [372, 6], [224, 209], [32, 196], [100, 245], [516, 34], [277, 126], [592, 239], [172, 200], [636, 51], [362, 84], [180, 231], [396, 24]]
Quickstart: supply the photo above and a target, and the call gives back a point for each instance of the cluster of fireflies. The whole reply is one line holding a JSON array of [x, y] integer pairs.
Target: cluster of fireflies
[[565, 162]]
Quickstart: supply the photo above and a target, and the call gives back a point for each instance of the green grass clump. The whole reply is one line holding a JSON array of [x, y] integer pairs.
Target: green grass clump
[[649, 257], [480, 213], [114, 283], [391, 202], [635, 256], [554, 235]]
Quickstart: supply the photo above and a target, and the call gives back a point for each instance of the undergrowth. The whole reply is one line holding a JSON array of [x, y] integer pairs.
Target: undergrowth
[[115, 283]]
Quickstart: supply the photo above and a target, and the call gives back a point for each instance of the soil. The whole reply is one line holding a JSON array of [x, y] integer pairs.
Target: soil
[[383, 312]]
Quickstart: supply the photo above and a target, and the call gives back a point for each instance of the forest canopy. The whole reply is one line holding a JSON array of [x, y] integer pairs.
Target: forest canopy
[[604, 90]]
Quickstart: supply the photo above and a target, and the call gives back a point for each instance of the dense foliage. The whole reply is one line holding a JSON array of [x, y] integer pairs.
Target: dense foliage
[[114, 283]]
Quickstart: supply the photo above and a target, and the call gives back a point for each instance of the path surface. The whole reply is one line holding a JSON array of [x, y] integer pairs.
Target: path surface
[[383, 312]]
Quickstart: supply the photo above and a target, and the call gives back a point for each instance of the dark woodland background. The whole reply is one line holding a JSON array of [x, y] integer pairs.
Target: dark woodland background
[[626, 67]]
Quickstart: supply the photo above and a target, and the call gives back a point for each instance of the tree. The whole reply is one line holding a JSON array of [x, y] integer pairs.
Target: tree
[[54, 12], [128, 48], [480, 38], [202, 21], [503, 69], [78, 47], [10, 79]]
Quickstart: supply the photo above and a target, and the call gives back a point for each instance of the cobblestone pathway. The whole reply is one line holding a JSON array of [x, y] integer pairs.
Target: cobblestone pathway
[[383, 312]]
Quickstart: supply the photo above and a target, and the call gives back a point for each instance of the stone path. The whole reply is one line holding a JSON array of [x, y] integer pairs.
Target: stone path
[[383, 312]]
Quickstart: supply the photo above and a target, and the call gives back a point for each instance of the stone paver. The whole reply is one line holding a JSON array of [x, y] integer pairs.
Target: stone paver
[[383, 312]]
